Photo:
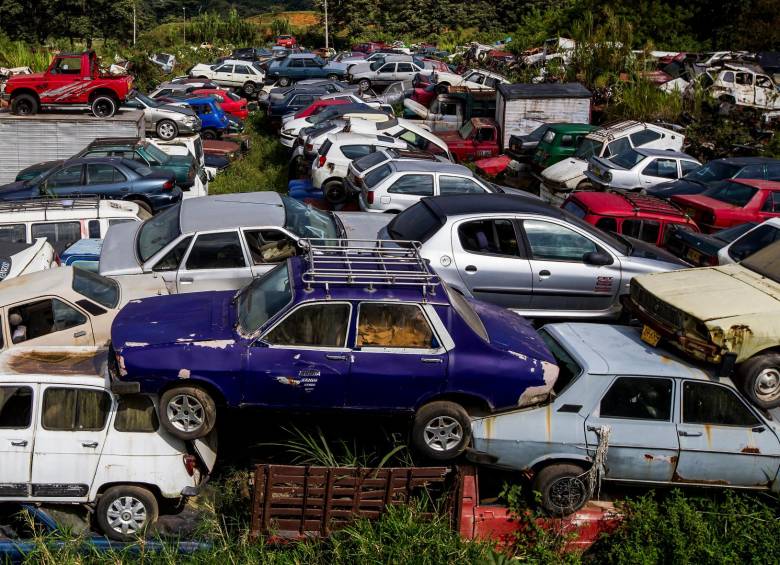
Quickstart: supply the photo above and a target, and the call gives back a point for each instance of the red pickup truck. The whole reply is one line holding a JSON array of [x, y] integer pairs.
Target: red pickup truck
[[72, 79], [476, 139]]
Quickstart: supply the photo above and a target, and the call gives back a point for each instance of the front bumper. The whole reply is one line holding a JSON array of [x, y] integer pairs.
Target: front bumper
[[287, 140], [185, 127]]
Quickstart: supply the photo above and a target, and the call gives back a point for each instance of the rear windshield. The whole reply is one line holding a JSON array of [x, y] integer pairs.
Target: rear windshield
[[733, 193], [567, 366], [589, 148], [325, 147], [368, 161], [765, 262], [714, 170], [537, 134], [467, 313], [416, 223], [627, 159], [378, 175], [549, 136], [157, 232], [730, 234], [573, 208], [102, 290]]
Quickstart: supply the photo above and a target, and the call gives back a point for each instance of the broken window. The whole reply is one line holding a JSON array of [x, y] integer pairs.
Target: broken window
[[269, 246], [216, 251], [745, 79], [40, 318], [638, 399], [136, 413], [315, 325], [393, 325], [492, 237], [75, 409], [173, 258], [764, 82], [705, 403], [15, 407]]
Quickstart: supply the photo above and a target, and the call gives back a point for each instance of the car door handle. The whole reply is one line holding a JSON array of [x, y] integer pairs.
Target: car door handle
[[186, 280], [82, 333], [19, 443], [683, 433], [431, 359], [471, 269], [335, 357], [89, 444], [544, 274]]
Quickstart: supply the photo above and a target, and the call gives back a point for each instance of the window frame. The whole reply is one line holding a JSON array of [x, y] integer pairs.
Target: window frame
[[446, 176], [672, 401], [529, 248], [399, 350], [291, 311], [183, 265], [109, 412], [732, 391], [405, 177], [522, 244], [44, 298], [31, 416]]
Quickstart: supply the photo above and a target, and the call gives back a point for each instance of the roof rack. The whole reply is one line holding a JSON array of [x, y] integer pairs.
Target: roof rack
[[47, 203], [367, 262], [647, 203]]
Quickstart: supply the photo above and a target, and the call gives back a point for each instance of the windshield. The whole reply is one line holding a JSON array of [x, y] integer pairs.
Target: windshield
[[305, 221], [627, 159], [102, 290], [146, 100], [324, 116], [157, 232], [156, 153], [730, 234], [378, 63], [466, 129], [538, 133], [765, 262], [588, 148], [567, 366], [368, 161], [262, 299], [549, 136], [734, 193], [712, 171], [416, 223]]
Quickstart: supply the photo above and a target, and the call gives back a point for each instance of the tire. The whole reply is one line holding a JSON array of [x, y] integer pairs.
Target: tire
[[334, 191], [24, 105], [167, 129], [333, 77], [760, 379], [284, 81], [442, 87], [124, 513], [364, 84], [104, 106], [204, 77], [143, 205], [195, 408], [584, 185], [249, 88], [563, 490], [441, 430], [208, 133]]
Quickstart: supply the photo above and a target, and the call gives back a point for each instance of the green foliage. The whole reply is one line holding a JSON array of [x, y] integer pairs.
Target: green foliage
[[214, 28], [21, 54], [639, 99]]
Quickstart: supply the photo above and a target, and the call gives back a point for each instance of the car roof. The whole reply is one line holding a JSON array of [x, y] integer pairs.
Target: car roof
[[572, 126], [201, 100], [69, 365], [758, 183], [39, 283], [237, 62], [231, 211], [347, 136], [619, 350], [662, 153], [114, 160], [742, 161], [302, 55], [430, 167], [615, 203], [460, 204]]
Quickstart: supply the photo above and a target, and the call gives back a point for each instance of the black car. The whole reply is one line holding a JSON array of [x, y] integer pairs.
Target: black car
[[701, 249], [762, 168], [251, 54], [107, 177]]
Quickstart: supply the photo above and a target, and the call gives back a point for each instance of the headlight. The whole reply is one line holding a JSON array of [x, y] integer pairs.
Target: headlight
[[288, 131], [608, 177]]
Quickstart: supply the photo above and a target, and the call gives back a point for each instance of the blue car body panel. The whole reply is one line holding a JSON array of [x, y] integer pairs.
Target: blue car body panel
[[216, 119]]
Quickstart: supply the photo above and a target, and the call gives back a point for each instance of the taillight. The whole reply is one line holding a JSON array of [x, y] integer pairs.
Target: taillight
[[168, 185], [190, 464], [321, 161], [308, 147], [370, 196], [57, 260]]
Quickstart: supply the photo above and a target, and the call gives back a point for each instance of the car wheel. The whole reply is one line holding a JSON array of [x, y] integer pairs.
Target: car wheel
[[364, 84], [441, 430], [167, 129], [334, 191], [104, 106], [208, 133], [333, 77], [24, 105], [564, 488], [249, 88], [760, 377], [125, 512], [143, 206], [284, 81], [188, 412]]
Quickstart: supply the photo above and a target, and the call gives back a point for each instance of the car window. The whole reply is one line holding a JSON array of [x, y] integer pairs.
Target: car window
[[100, 173], [751, 242], [59, 234], [42, 317], [689, 167], [607, 224], [554, 242], [405, 68], [135, 413], [492, 237], [216, 251], [568, 369], [369, 161], [773, 171], [763, 82], [75, 409], [15, 407], [311, 63], [263, 298], [172, 259], [224, 69], [617, 147], [68, 66], [356, 151], [418, 185], [314, 325], [269, 246], [394, 326], [157, 232], [69, 176], [93, 229], [296, 63], [242, 70], [574, 208], [388, 68], [458, 185], [706, 403], [727, 77], [638, 399], [745, 79], [466, 312], [102, 290], [751, 172], [646, 230], [644, 137], [628, 159], [13, 233], [567, 140]]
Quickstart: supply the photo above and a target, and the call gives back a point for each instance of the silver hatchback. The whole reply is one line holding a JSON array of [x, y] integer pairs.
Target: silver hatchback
[[520, 253]]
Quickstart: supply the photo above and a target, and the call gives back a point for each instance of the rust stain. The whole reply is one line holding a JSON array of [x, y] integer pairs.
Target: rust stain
[[649, 457], [750, 449], [708, 433], [489, 427], [58, 362], [678, 479], [548, 422]]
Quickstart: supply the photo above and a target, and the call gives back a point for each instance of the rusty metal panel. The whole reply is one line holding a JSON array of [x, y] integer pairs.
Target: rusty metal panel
[[300, 500]]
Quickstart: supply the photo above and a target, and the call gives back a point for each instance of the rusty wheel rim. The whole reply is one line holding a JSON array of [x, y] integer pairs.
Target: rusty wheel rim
[[767, 385], [568, 492]]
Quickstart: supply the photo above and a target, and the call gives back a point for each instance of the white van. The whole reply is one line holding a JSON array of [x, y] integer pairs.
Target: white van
[[66, 439]]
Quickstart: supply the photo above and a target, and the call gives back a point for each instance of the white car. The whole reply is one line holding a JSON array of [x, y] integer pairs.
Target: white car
[[192, 144], [383, 73], [17, 259], [291, 129], [475, 79], [335, 155], [750, 242], [569, 174], [639, 168], [244, 75], [66, 439], [743, 86]]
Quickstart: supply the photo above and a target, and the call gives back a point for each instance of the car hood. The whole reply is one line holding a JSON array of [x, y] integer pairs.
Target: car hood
[[700, 292], [186, 110], [334, 66], [643, 250], [565, 170], [118, 254], [704, 202], [363, 225], [679, 186], [158, 320]]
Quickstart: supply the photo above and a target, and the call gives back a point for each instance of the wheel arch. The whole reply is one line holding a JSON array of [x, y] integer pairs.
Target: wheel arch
[[104, 92], [25, 90], [216, 394], [472, 403]]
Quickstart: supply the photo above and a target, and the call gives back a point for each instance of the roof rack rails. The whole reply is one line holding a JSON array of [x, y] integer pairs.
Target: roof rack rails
[[47, 203], [647, 203], [369, 262]]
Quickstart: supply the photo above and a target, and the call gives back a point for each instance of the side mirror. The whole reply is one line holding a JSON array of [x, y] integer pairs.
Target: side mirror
[[597, 258]]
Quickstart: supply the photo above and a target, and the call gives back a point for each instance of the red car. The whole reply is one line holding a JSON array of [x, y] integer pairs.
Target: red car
[[643, 217], [288, 41], [731, 202], [232, 103], [370, 47], [318, 106], [476, 139], [437, 65]]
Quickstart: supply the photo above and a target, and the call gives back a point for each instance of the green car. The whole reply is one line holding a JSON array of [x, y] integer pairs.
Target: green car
[[559, 141], [183, 166]]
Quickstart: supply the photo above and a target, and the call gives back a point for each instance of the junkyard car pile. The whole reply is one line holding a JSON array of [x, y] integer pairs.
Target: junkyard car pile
[[391, 279]]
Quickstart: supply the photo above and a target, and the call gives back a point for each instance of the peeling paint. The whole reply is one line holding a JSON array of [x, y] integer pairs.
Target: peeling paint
[[536, 394], [678, 479], [136, 344], [184, 373], [214, 343], [671, 459], [750, 449]]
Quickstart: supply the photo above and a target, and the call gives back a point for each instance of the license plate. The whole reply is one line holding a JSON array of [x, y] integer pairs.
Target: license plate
[[650, 336], [693, 255]]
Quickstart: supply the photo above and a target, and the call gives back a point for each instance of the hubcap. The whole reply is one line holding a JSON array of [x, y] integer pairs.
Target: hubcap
[[568, 492], [166, 130], [103, 108], [443, 433], [24, 109], [127, 515], [767, 384], [185, 413]]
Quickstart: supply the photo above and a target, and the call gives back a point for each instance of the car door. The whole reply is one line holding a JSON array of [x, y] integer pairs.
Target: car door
[[241, 74], [658, 170], [65, 182], [216, 261], [104, 179], [643, 444], [405, 71], [407, 189], [168, 265], [69, 440], [492, 261], [451, 184], [385, 74], [267, 247], [302, 360], [312, 69], [565, 277], [771, 206], [765, 93], [294, 70], [48, 321], [17, 437], [744, 89], [224, 75], [722, 440], [397, 357]]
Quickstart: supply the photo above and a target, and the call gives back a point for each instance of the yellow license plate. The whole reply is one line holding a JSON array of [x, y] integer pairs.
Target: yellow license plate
[[693, 255], [650, 336]]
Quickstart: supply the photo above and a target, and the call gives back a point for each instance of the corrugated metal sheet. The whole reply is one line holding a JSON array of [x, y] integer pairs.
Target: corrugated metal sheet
[[25, 141], [522, 116]]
